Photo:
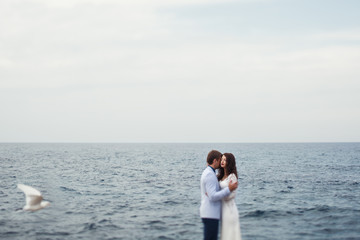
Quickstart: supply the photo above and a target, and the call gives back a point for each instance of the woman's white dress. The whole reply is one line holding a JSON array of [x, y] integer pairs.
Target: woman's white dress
[[230, 225]]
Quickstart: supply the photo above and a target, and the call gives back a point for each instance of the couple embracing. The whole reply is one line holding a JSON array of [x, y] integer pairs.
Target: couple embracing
[[218, 197]]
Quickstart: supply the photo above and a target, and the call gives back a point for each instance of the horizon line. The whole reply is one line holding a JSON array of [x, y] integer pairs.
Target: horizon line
[[78, 142]]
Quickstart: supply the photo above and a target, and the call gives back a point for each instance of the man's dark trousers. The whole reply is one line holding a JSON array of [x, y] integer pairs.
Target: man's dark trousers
[[211, 228]]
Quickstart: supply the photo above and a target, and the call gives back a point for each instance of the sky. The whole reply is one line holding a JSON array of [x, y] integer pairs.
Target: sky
[[179, 71]]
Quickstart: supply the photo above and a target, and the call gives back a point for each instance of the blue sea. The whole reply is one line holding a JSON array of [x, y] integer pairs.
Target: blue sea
[[152, 191]]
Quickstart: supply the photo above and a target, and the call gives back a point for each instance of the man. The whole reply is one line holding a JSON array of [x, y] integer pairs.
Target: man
[[211, 196]]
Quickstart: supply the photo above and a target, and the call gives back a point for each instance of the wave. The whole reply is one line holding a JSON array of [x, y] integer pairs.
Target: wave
[[171, 203], [67, 189], [295, 212]]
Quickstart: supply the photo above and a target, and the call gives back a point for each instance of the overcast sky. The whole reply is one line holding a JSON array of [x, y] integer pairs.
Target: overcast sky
[[179, 71]]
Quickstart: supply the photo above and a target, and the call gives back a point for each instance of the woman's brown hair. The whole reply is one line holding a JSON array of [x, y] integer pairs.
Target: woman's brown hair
[[230, 166]]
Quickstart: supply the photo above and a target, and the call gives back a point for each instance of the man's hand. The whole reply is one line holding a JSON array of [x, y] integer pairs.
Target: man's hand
[[232, 185]]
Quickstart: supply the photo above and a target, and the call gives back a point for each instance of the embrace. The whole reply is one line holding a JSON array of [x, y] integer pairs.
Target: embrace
[[218, 197]]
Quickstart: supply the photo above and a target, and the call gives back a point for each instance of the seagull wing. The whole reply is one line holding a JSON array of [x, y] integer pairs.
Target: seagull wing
[[32, 200], [29, 190], [33, 196]]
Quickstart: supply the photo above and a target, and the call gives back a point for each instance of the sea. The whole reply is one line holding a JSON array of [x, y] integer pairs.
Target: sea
[[152, 190]]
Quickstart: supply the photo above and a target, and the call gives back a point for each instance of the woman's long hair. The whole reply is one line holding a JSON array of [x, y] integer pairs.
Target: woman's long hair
[[230, 166]]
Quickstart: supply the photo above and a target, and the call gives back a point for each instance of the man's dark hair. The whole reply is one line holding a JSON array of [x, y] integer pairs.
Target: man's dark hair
[[213, 154]]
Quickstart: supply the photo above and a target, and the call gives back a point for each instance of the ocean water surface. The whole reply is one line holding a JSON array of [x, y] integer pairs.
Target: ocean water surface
[[152, 191]]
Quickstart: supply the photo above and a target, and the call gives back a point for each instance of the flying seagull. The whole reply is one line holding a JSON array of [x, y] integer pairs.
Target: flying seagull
[[34, 200]]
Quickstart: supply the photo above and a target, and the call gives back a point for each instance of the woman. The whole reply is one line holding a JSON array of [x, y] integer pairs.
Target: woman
[[230, 226]]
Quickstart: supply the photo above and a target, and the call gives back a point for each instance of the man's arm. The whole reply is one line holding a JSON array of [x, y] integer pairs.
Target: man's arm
[[210, 189]]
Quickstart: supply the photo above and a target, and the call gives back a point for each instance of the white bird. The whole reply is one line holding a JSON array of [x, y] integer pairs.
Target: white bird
[[34, 200]]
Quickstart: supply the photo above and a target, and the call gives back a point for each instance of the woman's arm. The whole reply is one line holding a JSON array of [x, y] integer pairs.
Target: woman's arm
[[232, 177]]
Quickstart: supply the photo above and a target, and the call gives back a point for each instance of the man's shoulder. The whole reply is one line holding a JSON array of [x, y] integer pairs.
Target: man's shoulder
[[208, 173], [206, 170]]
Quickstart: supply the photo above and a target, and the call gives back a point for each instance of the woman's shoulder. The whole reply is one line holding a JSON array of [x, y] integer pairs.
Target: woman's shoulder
[[233, 177]]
